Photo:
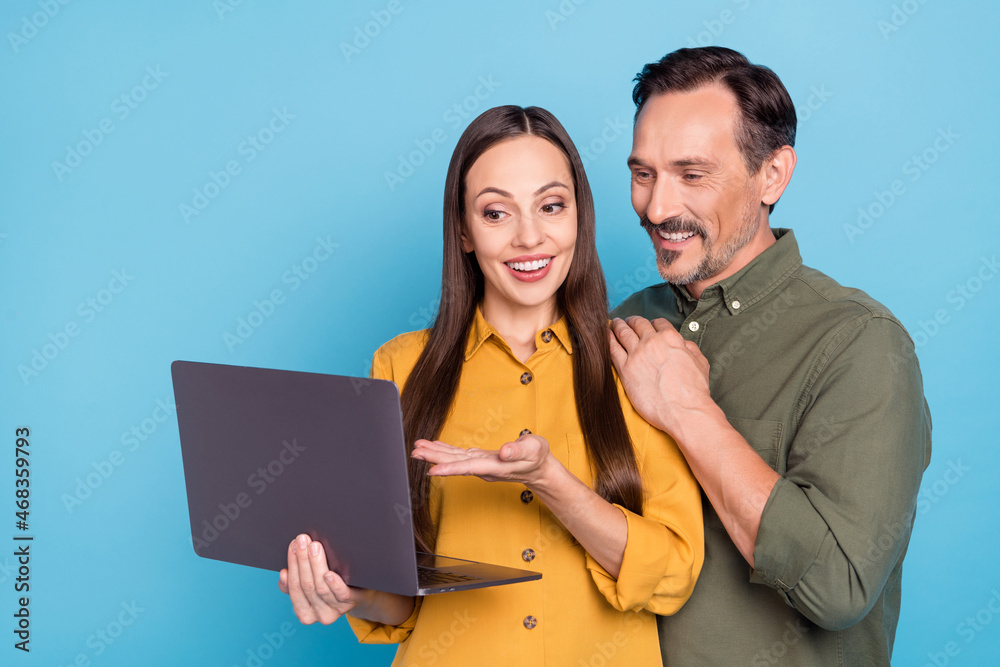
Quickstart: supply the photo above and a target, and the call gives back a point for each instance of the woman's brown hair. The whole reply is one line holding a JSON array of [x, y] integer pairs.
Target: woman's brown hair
[[430, 389]]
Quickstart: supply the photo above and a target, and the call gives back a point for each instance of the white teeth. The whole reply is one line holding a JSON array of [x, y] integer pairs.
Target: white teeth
[[675, 236], [533, 265]]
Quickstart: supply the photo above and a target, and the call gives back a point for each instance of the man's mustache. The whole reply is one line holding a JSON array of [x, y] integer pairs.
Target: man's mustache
[[673, 225]]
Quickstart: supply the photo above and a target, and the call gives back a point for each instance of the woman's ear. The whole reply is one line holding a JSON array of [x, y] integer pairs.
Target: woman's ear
[[466, 244]]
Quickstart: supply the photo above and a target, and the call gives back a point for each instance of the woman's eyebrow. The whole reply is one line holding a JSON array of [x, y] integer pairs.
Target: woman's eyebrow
[[553, 184], [502, 193]]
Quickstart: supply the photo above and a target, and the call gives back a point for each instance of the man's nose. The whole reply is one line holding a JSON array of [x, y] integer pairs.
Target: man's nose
[[664, 201]]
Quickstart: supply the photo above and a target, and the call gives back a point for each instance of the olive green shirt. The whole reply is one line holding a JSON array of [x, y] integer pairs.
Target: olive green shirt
[[822, 381]]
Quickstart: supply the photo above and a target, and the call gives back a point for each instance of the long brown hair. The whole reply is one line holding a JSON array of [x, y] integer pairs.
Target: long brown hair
[[430, 389]]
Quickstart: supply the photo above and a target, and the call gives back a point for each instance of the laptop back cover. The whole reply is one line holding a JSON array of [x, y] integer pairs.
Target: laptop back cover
[[270, 454]]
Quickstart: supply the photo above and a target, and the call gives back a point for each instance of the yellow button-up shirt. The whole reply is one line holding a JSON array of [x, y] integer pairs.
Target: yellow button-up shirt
[[576, 614]]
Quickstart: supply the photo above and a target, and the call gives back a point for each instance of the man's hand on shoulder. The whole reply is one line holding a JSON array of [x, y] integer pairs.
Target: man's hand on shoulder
[[665, 376]]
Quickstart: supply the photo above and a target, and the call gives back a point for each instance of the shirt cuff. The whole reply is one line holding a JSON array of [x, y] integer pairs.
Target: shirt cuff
[[789, 538], [370, 632], [657, 572]]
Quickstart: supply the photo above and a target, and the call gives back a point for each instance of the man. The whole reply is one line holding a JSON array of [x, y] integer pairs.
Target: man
[[797, 402]]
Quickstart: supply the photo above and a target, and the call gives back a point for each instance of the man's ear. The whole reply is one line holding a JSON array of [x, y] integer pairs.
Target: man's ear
[[777, 172]]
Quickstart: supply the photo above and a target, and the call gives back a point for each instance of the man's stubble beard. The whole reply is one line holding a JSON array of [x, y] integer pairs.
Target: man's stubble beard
[[714, 261]]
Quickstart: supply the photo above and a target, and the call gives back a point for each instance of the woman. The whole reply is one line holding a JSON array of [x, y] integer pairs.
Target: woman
[[516, 371]]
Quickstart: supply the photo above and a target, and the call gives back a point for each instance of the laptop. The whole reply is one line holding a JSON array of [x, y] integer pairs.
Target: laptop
[[270, 454]]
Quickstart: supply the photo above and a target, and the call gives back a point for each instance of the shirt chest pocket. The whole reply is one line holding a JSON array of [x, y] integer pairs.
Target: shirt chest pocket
[[765, 438], [574, 457]]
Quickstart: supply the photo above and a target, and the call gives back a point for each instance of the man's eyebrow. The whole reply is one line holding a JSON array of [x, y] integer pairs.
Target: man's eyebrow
[[553, 184], [502, 193], [693, 161]]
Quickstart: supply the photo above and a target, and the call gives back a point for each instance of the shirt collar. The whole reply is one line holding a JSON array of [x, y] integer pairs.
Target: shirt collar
[[481, 331], [754, 281]]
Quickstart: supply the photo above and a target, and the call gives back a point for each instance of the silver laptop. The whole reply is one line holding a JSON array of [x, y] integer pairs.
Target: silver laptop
[[269, 454]]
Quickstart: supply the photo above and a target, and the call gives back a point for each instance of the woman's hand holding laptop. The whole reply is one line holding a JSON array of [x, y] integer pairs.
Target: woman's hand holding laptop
[[319, 595]]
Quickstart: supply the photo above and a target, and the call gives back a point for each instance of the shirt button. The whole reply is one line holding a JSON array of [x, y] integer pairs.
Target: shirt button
[[526, 432], [693, 326], [530, 622], [547, 336], [527, 496], [736, 305], [528, 555], [525, 378]]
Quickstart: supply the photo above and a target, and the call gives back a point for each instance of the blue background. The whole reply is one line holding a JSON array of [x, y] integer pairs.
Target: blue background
[[876, 85]]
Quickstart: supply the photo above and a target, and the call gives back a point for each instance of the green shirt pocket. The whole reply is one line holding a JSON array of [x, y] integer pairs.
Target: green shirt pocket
[[765, 438]]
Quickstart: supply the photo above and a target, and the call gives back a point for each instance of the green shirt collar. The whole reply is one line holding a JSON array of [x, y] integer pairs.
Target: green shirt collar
[[753, 282]]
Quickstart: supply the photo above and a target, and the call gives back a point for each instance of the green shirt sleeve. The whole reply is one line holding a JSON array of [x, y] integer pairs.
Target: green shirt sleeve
[[837, 523]]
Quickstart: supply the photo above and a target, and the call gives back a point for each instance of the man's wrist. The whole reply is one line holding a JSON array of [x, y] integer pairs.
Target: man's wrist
[[690, 426]]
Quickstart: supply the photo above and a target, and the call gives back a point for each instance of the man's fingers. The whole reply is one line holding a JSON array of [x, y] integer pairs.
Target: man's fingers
[[693, 349], [696, 352], [624, 334], [662, 324], [699, 358], [640, 325], [618, 354]]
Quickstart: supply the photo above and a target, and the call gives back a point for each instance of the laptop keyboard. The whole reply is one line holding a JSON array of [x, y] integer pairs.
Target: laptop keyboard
[[428, 576]]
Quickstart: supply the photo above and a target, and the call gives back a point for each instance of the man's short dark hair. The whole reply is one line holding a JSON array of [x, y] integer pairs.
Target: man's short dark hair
[[767, 115]]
